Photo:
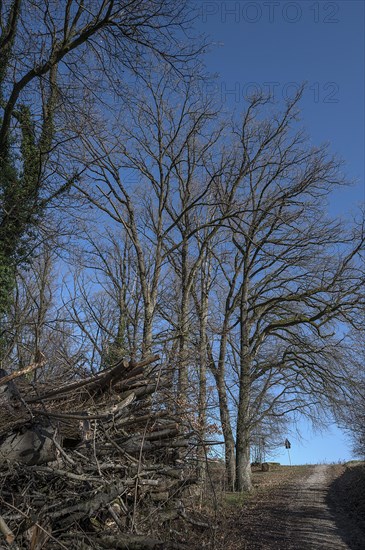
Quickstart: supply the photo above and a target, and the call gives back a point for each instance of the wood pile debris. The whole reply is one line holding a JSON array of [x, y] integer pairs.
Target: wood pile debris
[[101, 461]]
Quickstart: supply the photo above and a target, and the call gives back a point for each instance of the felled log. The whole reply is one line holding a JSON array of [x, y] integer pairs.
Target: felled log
[[168, 432], [33, 444], [110, 414], [99, 382], [75, 512], [116, 464], [142, 419]]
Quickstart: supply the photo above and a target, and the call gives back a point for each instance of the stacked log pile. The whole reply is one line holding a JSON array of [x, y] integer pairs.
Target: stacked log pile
[[99, 462]]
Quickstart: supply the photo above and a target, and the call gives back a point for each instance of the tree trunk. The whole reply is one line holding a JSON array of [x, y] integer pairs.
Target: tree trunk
[[229, 444], [147, 329], [243, 464], [183, 326], [205, 282], [230, 461]]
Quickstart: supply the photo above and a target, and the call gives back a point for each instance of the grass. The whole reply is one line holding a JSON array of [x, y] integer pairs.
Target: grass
[[351, 463], [236, 499], [263, 482]]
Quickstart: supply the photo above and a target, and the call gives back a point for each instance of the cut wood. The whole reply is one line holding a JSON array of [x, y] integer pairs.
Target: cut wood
[[97, 451], [34, 445]]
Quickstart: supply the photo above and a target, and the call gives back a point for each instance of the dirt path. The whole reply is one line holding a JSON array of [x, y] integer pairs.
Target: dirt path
[[291, 510], [310, 523]]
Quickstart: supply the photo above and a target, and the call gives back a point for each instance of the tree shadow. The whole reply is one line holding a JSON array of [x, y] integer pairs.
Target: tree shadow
[[346, 502]]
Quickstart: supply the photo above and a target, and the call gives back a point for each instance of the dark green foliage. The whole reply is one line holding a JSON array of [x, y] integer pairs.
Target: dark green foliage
[[19, 190], [19, 187], [20, 204], [117, 350]]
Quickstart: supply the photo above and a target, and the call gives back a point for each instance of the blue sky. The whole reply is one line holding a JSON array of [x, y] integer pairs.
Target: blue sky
[[329, 446], [279, 45]]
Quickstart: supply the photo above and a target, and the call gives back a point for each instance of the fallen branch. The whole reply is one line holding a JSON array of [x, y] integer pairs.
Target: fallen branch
[[131, 542], [195, 522], [22, 372], [111, 467], [6, 531], [80, 415], [99, 381], [26, 516]]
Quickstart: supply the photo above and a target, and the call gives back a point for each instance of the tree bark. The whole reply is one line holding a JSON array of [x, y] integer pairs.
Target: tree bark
[[243, 463], [203, 321], [34, 446], [229, 444], [183, 324]]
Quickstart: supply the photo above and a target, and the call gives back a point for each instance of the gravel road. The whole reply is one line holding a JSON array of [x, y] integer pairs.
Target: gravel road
[[291, 510], [310, 523]]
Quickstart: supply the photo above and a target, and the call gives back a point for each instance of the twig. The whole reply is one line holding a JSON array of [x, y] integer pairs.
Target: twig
[[34, 523], [59, 448], [65, 473], [94, 448], [141, 452], [116, 518], [195, 522]]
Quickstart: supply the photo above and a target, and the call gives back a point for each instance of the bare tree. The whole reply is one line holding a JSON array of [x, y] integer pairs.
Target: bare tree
[[350, 413], [163, 124], [296, 276], [57, 61], [37, 327], [103, 298]]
